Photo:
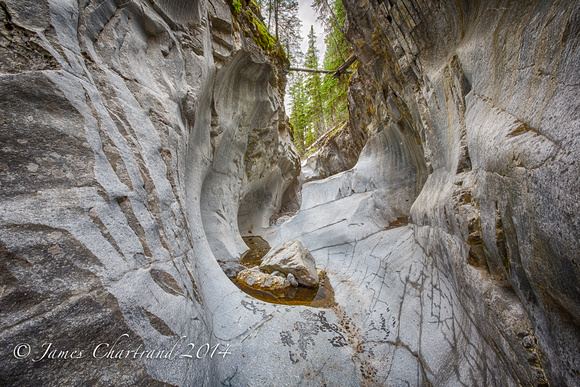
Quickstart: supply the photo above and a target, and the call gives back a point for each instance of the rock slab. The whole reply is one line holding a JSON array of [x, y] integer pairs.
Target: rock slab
[[292, 258], [263, 281]]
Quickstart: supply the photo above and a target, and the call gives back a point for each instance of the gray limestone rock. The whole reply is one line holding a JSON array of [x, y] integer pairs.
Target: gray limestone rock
[[292, 280], [292, 258], [492, 99], [130, 132], [139, 139], [232, 268], [335, 151]]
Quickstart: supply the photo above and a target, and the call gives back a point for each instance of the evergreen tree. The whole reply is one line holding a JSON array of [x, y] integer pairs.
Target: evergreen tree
[[299, 115], [313, 86], [289, 25], [316, 102], [284, 24], [334, 91]]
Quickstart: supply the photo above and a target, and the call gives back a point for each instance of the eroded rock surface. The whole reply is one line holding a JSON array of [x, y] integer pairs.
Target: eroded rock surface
[[232, 269], [490, 90], [263, 281], [123, 125], [139, 138], [292, 258], [335, 151]]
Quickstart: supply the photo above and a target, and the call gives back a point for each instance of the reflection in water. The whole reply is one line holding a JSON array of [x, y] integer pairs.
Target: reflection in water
[[321, 296]]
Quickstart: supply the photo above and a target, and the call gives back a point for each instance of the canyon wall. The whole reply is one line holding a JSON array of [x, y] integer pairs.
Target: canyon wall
[[490, 90], [140, 139], [335, 151], [131, 132]]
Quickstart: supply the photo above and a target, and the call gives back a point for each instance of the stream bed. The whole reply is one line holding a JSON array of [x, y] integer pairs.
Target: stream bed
[[321, 296]]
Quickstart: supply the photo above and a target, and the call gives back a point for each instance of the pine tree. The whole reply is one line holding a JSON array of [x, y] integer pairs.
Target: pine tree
[[284, 24], [334, 91], [316, 102], [313, 87], [289, 25], [299, 115]]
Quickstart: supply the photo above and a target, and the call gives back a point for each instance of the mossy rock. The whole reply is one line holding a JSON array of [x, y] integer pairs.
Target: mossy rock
[[237, 7], [257, 30]]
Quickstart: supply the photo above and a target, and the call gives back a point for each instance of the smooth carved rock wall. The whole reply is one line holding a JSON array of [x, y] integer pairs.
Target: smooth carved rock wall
[[337, 150], [490, 89], [124, 128], [139, 138]]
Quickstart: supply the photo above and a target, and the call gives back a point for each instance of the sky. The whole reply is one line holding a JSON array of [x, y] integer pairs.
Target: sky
[[309, 16]]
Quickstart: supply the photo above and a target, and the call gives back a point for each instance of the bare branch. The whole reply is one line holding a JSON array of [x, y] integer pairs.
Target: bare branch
[[342, 68]]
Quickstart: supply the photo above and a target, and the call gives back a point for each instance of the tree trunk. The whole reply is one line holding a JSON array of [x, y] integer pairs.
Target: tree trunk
[[342, 68], [276, 5], [269, 14], [311, 70]]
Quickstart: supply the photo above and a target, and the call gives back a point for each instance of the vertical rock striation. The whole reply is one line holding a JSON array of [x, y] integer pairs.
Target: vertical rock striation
[[131, 132], [489, 89]]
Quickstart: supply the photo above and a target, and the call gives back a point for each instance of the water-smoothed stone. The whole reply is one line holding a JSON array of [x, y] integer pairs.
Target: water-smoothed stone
[[493, 101], [292, 280], [118, 121], [232, 268], [139, 138], [292, 258], [263, 281]]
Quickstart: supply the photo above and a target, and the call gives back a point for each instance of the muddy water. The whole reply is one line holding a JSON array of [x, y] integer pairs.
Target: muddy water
[[258, 249], [320, 297]]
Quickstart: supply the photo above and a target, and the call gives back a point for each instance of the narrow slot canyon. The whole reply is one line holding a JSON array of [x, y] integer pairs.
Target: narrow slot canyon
[[164, 220]]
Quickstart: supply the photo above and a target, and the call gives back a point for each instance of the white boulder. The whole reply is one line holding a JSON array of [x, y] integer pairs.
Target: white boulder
[[292, 258]]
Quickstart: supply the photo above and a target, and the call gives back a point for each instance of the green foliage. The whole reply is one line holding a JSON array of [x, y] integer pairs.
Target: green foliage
[[310, 137], [263, 38], [320, 102], [237, 7], [299, 116], [282, 21], [310, 151], [307, 115], [313, 85], [255, 5], [253, 26], [334, 91], [289, 28]]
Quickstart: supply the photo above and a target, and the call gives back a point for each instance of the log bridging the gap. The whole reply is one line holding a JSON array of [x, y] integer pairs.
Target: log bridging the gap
[[342, 69]]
